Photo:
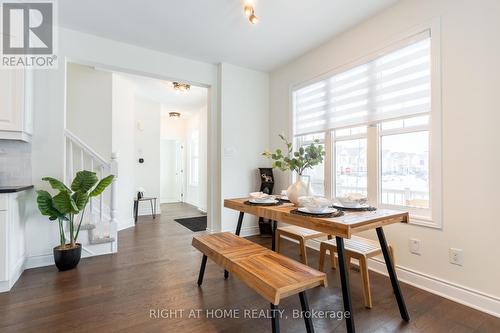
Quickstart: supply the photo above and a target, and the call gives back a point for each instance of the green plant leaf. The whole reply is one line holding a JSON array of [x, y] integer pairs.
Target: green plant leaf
[[46, 205], [56, 184], [65, 204], [84, 181], [80, 199], [105, 182]]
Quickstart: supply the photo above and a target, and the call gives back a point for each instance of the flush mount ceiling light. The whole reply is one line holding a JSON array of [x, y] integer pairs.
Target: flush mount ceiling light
[[250, 13], [174, 114], [181, 87]]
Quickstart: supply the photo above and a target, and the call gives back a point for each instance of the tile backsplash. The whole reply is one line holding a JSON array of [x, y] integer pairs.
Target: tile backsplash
[[15, 163]]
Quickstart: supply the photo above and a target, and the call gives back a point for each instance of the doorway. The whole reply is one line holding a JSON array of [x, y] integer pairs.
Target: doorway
[[171, 171], [162, 156]]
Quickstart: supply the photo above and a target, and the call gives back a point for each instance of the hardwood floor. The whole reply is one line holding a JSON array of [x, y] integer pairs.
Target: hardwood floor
[[156, 268]]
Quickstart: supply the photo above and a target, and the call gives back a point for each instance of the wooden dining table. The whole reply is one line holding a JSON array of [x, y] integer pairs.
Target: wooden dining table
[[340, 227]]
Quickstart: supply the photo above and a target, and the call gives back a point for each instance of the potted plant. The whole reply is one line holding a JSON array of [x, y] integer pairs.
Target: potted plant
[[297, 161], [67, 206]]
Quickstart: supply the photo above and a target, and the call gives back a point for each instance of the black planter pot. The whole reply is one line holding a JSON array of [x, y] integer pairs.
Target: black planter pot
[[67, 259]]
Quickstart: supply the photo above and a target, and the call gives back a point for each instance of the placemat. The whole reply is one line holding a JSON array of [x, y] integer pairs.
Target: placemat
[[364, 209], [279, 203], [334, 214]]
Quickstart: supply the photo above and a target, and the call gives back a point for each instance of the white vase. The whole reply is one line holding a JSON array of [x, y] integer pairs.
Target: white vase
[[301, 188]]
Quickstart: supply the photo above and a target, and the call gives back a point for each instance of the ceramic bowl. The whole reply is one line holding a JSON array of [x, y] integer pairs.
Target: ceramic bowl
[[352, 201], [258, 195], [315, 204]]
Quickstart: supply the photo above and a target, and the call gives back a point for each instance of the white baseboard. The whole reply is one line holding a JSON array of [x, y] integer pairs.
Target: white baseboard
[[48, 259], [452, 291], [250, 231], [39, 261], [16, 273]]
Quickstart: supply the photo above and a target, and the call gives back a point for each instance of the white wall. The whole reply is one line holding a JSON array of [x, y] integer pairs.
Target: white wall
[[49, 117], [147, 146], [470, 53], [244, 135], [196, 195], [123, 144], [89, 107]]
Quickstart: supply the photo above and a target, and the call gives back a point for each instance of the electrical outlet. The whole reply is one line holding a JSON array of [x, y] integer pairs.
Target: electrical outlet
[[456, 256], [414, 245]]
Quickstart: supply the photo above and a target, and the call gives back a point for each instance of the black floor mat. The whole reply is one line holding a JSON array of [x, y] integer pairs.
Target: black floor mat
[[198, 223]]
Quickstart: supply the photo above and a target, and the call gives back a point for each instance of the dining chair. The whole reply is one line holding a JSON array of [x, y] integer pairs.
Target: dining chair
[[358, 248]]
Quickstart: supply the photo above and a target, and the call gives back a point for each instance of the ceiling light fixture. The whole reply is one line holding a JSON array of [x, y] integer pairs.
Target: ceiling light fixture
[[181, 87], [253, 19], [248, 10], [250, 14], [174, 114]]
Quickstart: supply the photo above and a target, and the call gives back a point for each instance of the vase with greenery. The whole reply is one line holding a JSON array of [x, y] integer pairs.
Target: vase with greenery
[[68, 206], [297, 161]]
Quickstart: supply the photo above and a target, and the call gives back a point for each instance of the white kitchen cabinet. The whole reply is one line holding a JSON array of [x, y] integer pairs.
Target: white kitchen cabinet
[[16, 104], [12, 237]]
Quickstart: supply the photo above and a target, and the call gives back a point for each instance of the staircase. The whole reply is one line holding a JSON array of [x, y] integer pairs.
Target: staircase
[[98, 233]]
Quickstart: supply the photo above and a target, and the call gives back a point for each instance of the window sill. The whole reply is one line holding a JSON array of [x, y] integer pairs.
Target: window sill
[[424, 222], [416, 218]]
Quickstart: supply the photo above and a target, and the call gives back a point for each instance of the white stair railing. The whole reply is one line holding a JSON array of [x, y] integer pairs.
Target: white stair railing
[[80, 156]]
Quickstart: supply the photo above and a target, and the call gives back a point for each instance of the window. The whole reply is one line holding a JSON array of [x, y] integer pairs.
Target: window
[[194, 159], [351, 169], [379, 121], [317, 174], [404, 163]]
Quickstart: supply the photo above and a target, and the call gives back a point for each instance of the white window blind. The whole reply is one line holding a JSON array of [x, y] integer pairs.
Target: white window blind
[[394, 85]]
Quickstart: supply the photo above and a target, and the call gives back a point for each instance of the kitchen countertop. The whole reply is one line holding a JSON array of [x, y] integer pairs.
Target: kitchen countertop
[[12, 189]]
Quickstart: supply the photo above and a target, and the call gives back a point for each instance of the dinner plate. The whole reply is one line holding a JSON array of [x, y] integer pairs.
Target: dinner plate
[[326, 211], [358, 207], [263, 201]]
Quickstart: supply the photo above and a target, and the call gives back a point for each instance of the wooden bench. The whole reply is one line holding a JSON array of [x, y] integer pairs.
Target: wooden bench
[[358, 248], [270, 274], [299, 234]]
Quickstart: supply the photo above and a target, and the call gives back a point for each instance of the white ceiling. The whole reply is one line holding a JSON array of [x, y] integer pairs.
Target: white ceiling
[[217, 30], [163, 92]]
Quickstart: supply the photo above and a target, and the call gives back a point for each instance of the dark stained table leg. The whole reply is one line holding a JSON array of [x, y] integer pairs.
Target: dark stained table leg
[[275, 322], [136, 210], [240, 221], [392, 274], [152, 208], [305, 312], [274, 225], [344, 280], [238, 231], [202, 270]]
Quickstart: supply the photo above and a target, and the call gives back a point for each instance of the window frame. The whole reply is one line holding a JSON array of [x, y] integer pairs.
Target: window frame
[[420, 215], [334, 140], [373, 129]]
